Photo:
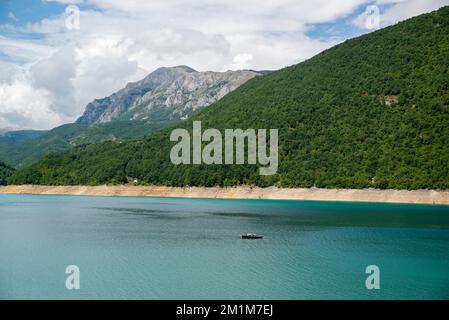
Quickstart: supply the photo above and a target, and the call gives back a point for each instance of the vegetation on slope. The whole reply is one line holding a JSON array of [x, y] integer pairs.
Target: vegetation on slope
[[162, 98], [371, 112], [21, 153], [5, 172]]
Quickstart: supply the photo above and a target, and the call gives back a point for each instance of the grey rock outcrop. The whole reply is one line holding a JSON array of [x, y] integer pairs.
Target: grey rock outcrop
[[165, 94]]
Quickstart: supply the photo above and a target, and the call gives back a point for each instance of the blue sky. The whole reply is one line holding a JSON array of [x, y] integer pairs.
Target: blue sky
[[50, 71], [341, 28], [27, 11], [21, 12]]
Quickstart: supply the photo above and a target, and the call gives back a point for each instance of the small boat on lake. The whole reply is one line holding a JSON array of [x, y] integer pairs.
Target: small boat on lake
[[251, 236]]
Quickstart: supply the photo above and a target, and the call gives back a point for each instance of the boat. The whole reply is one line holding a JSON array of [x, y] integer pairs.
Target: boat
[[251, 236]]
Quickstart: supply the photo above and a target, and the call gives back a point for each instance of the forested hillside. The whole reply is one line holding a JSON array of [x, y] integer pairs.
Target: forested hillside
[[371, 112], [25, 152], [162, 98], [5, 172]]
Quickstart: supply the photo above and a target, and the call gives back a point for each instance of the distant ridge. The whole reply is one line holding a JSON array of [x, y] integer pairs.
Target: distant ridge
[[164, 97], [21, 135]]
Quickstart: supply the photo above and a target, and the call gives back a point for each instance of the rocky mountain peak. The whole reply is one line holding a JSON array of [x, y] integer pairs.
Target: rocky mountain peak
[[175, 92]]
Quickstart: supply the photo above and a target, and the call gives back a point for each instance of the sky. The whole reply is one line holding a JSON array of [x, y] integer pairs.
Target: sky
[[58, 55]]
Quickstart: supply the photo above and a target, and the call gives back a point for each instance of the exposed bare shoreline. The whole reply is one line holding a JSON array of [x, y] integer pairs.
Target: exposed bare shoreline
[[243, 192]]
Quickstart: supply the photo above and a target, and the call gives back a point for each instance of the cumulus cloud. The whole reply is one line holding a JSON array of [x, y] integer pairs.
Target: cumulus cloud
[[400, 10], [19, 50], [61, 69], [23, 106]]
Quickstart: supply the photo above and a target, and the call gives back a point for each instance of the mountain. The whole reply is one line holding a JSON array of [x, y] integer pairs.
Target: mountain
[[164, 97], [22, 135], [174, 92], [5, 172], [370, 112]]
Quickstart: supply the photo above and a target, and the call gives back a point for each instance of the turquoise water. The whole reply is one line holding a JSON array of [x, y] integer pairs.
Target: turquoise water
[[157, 248]]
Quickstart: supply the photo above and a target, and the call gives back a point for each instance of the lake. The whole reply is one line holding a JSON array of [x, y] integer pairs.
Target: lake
[[161, 248]]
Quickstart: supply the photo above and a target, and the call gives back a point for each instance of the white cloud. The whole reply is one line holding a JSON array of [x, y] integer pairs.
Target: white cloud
[[241, 61], [24, 50], [121, 41], [401, 10], [405, 9], [23, 106]]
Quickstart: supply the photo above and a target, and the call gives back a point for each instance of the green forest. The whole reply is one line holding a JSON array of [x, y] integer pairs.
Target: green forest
[[370, 112], [5, 172], [22, 153]]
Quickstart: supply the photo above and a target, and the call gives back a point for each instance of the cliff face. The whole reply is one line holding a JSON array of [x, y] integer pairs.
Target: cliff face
[[175, 92]]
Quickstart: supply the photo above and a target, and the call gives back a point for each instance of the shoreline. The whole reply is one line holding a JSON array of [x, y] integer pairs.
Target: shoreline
[[241, 192]]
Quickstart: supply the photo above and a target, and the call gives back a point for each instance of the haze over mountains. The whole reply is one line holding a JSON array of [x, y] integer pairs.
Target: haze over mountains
[[371, 112], [164, 97], [16, 136]]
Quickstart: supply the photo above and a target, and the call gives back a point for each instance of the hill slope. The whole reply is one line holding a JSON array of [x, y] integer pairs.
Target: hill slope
[[162, 98], [25, 152], [22, 135], [371, 112], [5, 172]]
